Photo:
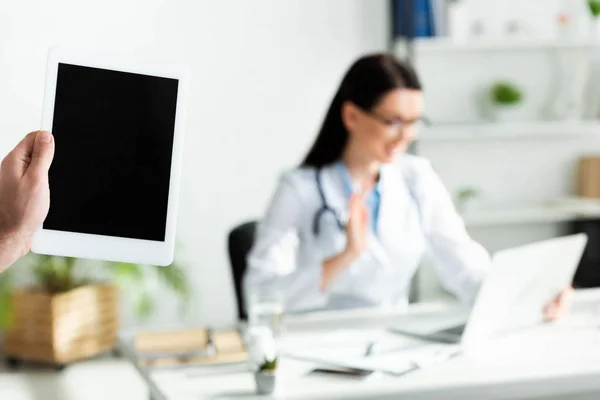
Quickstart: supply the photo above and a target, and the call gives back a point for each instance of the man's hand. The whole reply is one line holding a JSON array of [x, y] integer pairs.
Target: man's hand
[[24, 194]]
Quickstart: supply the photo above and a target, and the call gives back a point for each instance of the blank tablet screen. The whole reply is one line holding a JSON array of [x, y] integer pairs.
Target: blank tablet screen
[[114, 140]]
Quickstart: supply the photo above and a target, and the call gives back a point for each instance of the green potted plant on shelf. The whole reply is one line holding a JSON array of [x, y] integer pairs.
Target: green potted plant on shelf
[[467, 199], [59, 310], [507, 100]]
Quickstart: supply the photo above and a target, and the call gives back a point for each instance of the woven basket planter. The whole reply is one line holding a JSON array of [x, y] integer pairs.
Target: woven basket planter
[[65, 327]]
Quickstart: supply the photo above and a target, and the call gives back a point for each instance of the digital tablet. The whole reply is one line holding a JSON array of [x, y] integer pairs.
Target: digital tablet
[[118, 126]]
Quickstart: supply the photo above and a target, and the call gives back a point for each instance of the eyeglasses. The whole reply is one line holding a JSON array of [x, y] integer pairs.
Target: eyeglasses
[[398, 126]]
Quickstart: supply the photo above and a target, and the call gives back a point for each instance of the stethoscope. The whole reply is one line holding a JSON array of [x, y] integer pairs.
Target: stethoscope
[[326, 208]]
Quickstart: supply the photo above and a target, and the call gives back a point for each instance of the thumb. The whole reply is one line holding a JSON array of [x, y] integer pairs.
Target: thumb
[[42, 154]]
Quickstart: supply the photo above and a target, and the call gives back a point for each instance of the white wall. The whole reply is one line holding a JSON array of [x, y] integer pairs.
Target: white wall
[[537, 17], [263, 73]]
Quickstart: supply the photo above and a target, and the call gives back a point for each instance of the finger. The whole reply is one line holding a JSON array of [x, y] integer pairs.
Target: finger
[[564, 302], [551, 313], [558, 313], [355, 203], [549, 309], [365, 218], [13, 166], [559, 306], [42, 154], [357, 209], [562, 299], [20, 157]]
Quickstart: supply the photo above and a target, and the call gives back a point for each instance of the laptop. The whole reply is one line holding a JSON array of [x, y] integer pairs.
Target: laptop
[[521, 282]]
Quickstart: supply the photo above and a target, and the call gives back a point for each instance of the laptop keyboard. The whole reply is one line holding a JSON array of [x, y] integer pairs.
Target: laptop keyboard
[[455, 330]]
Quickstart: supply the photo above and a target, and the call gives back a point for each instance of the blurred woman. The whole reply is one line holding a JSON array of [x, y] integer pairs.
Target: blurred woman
[[348, 227]]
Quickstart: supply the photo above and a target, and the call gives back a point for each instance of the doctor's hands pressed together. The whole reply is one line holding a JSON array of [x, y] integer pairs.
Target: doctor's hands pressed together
[[325, 246], [24, 194]]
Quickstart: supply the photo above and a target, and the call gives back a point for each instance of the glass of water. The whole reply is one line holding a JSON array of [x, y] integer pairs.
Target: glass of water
[[265, 308]]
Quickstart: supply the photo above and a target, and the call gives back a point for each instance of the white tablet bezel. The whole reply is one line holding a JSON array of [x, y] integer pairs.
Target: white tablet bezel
[[109, 248]]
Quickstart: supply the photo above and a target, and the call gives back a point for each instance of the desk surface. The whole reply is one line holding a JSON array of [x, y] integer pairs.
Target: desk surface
[[544, 361]]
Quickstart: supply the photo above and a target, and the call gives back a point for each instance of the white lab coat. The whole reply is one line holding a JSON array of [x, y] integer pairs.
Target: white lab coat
[[288, 257]]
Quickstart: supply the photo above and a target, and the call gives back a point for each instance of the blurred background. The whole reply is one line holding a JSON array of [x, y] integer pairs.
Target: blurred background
[[511, 90]]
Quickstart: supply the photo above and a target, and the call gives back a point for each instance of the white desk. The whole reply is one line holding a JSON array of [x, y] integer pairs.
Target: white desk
[[552, 361], [96, 379]]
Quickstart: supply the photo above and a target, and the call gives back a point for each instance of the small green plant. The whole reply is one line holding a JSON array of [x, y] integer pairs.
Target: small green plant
[[506, 93], [53, 275], [465, 198], [467, 193], [268, 366], [594, 7]]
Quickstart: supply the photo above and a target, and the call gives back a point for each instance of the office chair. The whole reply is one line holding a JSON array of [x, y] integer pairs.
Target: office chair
[[239, 243]]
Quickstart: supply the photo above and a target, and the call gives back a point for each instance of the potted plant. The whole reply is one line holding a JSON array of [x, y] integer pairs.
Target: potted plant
[[467, 199], [58, 313], [265, 377], [506, 100], [262, 351]]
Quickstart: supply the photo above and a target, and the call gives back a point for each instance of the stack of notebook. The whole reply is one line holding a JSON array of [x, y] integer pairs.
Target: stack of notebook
[[190, 347]]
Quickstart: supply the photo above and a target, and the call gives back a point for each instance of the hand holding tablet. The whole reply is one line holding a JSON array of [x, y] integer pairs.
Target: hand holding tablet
[[24, 194], [114, 181]]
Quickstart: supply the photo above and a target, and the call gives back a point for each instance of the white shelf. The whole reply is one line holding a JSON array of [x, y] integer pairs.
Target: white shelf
[[443, 45], [556, 211], [503, 131]]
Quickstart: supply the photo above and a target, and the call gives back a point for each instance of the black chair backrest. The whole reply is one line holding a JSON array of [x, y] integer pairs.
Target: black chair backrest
[[240, 241]]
